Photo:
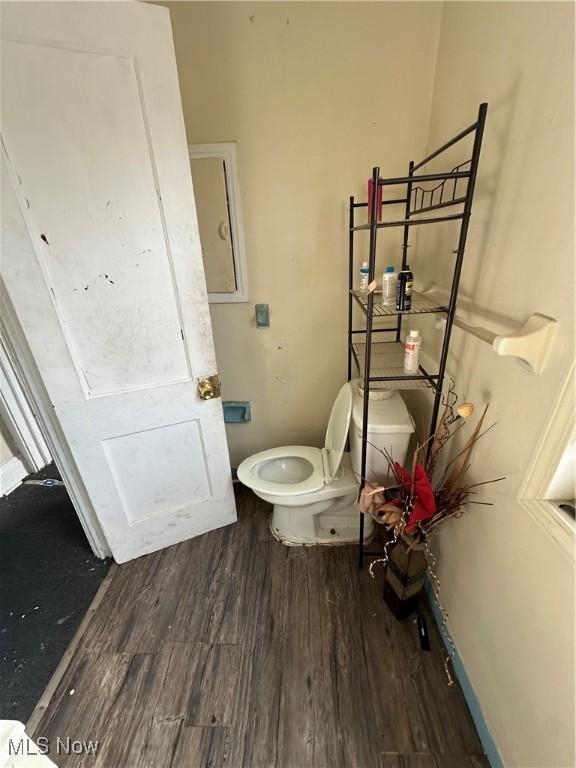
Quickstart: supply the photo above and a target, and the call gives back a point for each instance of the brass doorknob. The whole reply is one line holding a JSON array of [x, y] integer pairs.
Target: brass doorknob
[[209, 387]]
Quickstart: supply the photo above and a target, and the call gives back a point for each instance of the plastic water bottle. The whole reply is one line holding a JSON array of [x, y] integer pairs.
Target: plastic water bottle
[[364, 275], [389, 280]]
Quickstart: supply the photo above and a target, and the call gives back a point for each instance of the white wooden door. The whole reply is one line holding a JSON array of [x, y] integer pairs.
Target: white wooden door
[[102, 263]]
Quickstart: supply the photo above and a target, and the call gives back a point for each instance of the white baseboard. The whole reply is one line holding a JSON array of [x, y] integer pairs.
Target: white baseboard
[[11, 475]]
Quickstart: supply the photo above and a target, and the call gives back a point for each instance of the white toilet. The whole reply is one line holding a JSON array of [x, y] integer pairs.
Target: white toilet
[[314, 490]]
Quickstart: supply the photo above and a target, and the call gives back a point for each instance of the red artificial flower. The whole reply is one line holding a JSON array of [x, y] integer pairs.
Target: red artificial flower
[[424, 506]]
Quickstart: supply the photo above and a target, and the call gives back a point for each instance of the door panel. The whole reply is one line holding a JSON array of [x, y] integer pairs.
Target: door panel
[[106, 259], [103, 265]]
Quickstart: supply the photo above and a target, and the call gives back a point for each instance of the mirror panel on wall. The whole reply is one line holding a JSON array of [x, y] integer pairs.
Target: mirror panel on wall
[[215, 178]]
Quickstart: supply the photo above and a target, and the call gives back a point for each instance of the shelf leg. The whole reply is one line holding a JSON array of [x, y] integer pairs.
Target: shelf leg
[[350, 283], [369, 317], [361, 540], [405, 244], [458, 268]]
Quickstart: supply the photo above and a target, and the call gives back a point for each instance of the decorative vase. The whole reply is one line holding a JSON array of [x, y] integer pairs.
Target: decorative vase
[[405, 575]]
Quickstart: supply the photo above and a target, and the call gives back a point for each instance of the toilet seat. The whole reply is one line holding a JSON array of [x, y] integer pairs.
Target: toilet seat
[[273, 472], [250, 469]]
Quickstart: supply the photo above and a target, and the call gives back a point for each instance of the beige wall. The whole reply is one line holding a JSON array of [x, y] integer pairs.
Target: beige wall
[[508, 589], [291, 83]]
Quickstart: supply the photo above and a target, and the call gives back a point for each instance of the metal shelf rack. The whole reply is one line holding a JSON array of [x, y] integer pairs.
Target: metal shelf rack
[[421, 305], [380, 361], [387, 365]]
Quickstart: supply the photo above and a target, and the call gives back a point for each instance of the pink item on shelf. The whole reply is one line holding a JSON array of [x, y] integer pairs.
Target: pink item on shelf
[[378, 201]]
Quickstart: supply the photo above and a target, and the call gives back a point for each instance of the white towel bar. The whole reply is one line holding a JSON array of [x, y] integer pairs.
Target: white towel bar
[[530, 344]]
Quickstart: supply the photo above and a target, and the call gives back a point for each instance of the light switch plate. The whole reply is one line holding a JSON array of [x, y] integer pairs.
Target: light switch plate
[[262, 316]]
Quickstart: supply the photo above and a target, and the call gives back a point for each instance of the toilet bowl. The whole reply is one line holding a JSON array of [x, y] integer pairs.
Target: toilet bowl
[[313, 490]]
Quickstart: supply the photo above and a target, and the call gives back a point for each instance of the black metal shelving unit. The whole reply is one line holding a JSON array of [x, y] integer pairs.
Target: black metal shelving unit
[[380, 360]]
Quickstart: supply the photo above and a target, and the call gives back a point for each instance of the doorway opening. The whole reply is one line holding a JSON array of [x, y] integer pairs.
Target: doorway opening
[[49, 576], [49, 572]]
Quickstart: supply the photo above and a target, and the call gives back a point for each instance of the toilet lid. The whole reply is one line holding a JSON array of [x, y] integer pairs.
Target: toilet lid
[[337, 432]]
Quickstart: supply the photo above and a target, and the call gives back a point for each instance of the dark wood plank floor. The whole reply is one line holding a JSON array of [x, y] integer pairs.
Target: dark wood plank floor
[[233, 650]]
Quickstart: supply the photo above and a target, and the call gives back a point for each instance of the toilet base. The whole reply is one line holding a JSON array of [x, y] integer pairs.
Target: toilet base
[[330, 523]]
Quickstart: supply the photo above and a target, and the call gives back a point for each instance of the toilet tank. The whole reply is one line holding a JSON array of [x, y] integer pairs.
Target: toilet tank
[[390, 427]]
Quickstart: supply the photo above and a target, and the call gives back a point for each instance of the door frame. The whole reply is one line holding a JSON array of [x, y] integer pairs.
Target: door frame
[[18, 416], [37, 403]]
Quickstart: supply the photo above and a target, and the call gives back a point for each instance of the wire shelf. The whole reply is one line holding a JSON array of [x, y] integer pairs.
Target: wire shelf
[[421, 305], [387, 366]]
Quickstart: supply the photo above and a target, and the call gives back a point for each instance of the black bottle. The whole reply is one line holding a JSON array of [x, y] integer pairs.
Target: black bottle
[[404, 290]]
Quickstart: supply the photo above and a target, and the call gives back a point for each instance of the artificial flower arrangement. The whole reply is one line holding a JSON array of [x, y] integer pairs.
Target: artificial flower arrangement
[[415, 503]]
